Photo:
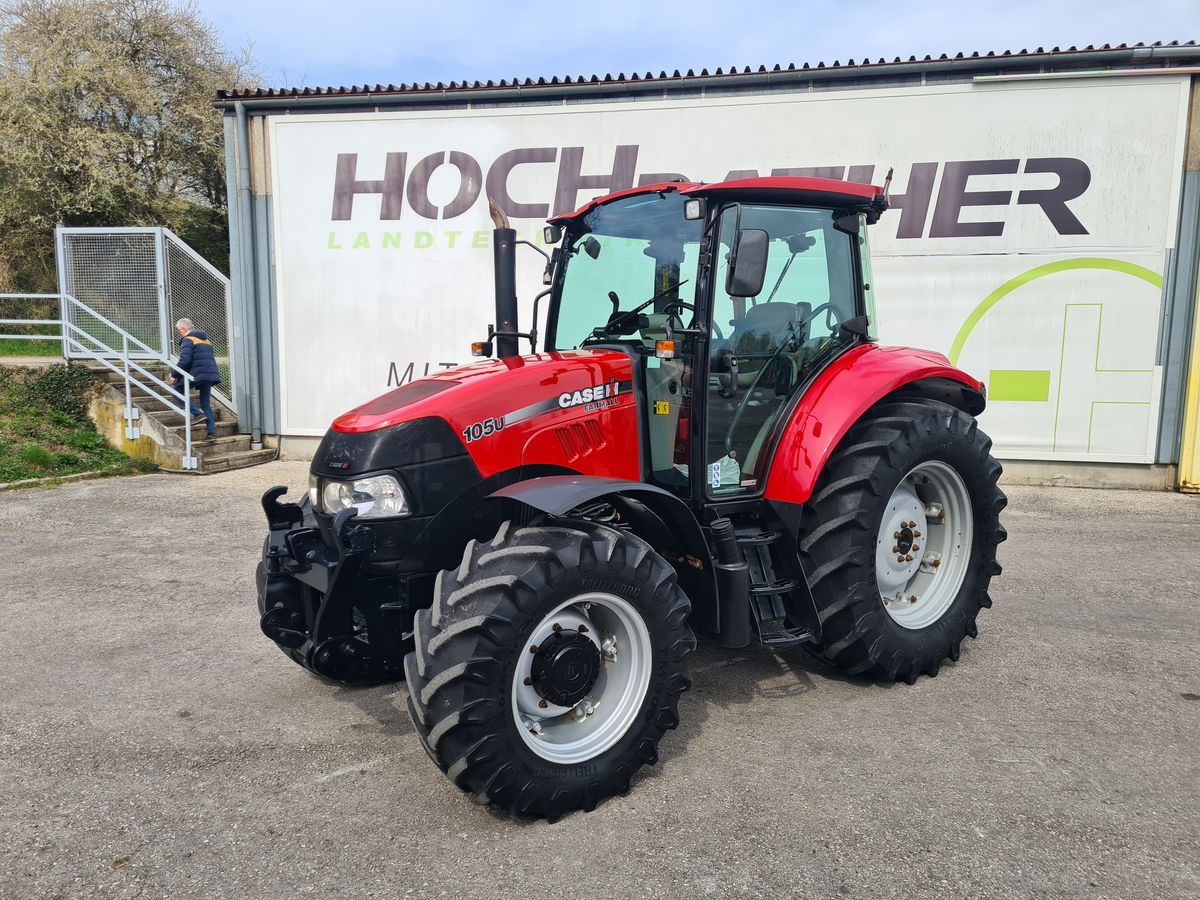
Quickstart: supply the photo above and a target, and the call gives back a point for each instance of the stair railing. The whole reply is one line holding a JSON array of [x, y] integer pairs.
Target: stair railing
[[128, 366], [133, 374]]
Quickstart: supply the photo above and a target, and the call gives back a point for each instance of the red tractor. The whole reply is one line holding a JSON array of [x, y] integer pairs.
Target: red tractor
[[711, 442]]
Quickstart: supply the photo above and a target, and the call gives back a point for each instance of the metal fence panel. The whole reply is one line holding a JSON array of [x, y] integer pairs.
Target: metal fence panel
[[143, 280], [197, 291], [117, 273]]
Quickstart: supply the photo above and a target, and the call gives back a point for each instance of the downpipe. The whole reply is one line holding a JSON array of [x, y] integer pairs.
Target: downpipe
[[248, 275]]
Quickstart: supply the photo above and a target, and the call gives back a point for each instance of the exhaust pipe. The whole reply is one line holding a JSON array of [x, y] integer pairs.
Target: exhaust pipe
[[504, 259]]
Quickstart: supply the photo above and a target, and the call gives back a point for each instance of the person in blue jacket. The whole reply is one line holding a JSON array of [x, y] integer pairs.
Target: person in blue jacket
[[196, 357]]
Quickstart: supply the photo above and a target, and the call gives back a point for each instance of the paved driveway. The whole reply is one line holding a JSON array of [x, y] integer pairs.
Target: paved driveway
[[154, 744]]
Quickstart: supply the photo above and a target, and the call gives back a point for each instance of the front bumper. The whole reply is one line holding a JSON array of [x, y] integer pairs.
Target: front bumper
[[326, 603]]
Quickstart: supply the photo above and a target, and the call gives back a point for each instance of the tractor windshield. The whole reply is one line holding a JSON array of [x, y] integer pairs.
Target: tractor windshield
[[636, 252]]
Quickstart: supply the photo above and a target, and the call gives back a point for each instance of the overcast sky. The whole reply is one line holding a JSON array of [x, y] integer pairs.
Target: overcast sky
[[298, 42]]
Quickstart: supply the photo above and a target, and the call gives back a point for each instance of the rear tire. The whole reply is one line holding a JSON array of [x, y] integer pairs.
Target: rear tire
[[469, 676], [885, 461]]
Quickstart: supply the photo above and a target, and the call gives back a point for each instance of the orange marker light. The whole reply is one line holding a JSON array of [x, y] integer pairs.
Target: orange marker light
[[664, 349]]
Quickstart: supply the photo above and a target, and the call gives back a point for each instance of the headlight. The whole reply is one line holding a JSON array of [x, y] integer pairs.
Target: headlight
[[314, 492], [375, 497]]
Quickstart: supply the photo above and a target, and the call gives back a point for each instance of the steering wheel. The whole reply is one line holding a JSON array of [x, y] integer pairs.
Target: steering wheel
[[831, 313]]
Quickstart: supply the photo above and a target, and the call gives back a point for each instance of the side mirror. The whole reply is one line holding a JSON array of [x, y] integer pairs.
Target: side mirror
[[552, 234], [748, 265], [591, 247]]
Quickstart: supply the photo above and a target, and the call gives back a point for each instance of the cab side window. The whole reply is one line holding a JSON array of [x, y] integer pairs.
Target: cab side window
[[765, 348]]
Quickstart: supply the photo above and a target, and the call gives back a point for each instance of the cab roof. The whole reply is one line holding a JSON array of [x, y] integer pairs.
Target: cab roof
[[819, 191]]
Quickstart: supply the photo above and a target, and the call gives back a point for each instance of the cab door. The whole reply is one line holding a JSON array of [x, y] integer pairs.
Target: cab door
[[765, 348]]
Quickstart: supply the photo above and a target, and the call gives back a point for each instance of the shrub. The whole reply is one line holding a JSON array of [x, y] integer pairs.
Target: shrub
[[63, 389]]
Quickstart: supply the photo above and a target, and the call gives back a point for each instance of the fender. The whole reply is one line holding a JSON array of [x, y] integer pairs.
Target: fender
[[847, 388], [655, 515]]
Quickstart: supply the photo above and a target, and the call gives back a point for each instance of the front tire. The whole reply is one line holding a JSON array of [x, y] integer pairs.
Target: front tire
[[899, 540], [549, 666]]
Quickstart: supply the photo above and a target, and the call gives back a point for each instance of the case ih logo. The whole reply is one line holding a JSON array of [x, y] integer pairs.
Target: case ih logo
[[593, 394], [943, 189]]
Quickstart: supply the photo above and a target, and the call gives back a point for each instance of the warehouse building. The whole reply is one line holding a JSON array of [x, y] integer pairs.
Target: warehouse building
[[1046, 207]]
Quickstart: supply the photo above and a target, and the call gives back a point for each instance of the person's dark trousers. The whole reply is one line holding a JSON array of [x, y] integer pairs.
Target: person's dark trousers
[[205, 409], [204, 388]]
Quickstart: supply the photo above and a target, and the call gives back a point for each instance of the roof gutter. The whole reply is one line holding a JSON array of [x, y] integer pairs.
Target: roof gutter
[[1134, 56], [1094, 73]]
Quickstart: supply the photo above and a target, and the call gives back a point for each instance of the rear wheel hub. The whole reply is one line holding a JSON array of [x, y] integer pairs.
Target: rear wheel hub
[[565, 667]]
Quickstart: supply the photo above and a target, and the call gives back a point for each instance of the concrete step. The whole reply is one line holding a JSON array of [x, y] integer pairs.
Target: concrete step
[[173, 422], [112, 377], [152, 405], [238, 460], [211, 448], [224, 428], [169, 416]]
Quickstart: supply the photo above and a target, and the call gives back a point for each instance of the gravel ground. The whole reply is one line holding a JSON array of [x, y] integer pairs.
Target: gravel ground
[[153, 743]]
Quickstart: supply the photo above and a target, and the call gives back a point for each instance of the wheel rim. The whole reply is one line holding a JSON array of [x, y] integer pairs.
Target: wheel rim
[[924, 545], [554, 661]]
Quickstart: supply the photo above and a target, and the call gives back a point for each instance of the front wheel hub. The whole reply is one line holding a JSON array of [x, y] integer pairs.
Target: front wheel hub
[[565, 668], [582, 678]]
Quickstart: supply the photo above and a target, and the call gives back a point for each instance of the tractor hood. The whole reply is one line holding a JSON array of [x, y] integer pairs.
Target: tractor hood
[[545, 409]]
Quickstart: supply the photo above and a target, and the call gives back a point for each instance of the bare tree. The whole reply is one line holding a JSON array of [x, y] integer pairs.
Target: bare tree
[[106, 118]]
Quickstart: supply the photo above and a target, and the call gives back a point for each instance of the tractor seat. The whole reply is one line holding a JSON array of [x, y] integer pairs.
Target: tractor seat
[[765, 325]]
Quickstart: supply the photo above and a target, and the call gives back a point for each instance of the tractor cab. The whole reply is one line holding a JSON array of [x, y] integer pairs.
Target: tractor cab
[[730, 298]]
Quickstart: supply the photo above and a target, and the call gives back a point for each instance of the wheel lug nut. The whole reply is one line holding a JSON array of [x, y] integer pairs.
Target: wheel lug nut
[[908, 558], [895, 549], [896, 535], [916, 547], [557, 627], [912, 598], [583, 629], [528, 681], [533, 648], [542, 704], [916, 534]]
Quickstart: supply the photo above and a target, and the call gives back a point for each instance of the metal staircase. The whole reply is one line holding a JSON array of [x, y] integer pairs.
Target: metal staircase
[[227, 450], [120, 291]]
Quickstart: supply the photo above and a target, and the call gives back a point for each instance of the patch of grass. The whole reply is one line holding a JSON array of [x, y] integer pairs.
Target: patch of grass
[[36, 456], [30, 308], [13, 347], [44, 428]]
